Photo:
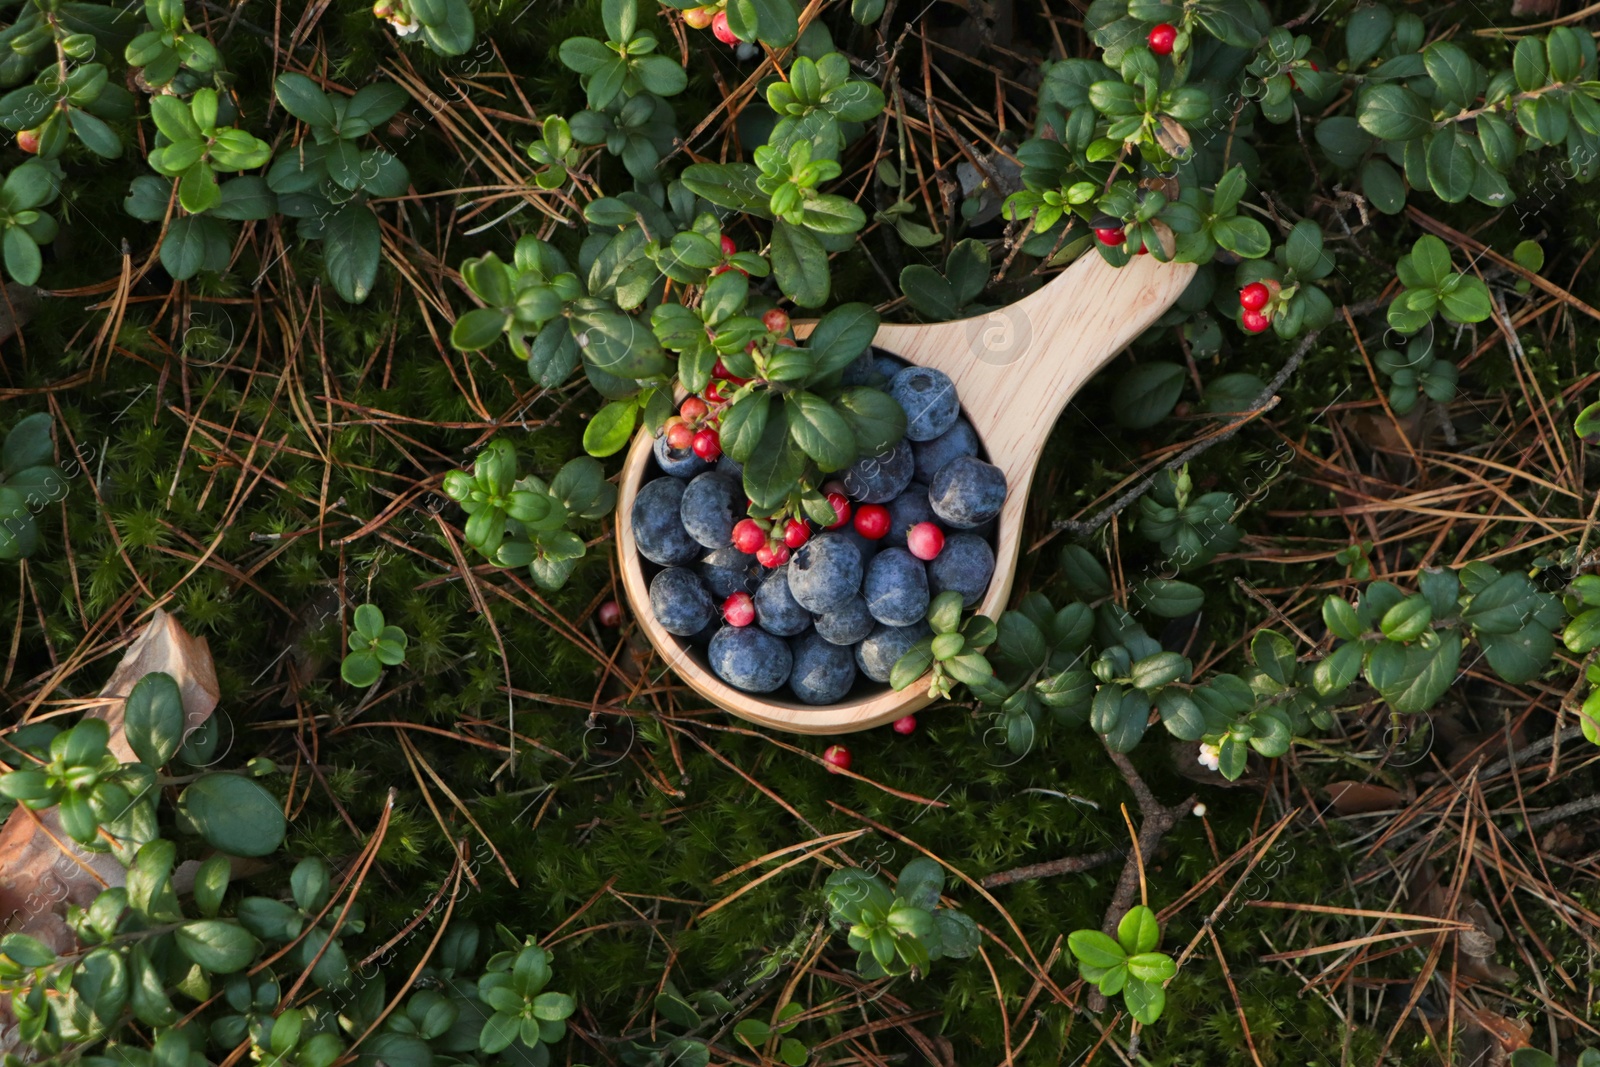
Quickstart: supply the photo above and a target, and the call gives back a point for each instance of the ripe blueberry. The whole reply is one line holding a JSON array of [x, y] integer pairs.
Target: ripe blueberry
[[680, 602], [749, 658], [966, 564], [896, 588], [968, 492], [929, 399], [822, 673], [710, 505], [825, 572], [658, 524], [846, 624], [883, 647], [776, 608]]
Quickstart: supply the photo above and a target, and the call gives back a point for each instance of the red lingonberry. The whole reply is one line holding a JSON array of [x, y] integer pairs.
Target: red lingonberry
[[610, 614], [776, 321], [925, 540], [872, 521], [1254, 296], [680, 435], [1111, 235], [699, 18], [1254, 321], [775, 554], [796, 533], [748, 536], [837, 757], [713, 393], [692, 408], [1162, 38], [739, 610], [719, 370], [906, 727], [841, 508], [1142, 250], [707, 445], [728, 247], [720, 27]]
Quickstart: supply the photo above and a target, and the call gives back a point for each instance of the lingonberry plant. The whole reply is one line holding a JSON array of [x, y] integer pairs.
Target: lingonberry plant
[[373, 646], [1128, 964], [29, 480], [900, 930]]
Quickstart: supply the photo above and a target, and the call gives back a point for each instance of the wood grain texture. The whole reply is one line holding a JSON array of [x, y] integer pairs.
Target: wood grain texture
[[1015, 369]]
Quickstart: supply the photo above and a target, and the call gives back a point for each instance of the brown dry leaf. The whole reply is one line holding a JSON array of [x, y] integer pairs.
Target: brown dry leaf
[[1510, 1034], [1359, 798], [41, 869]]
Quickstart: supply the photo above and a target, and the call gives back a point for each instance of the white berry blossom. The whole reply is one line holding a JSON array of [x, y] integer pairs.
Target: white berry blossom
[[1211, 756]]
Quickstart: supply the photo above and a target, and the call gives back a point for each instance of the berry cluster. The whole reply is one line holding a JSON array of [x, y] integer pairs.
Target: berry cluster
[[714, 16], [1255, 314], [781, 599]]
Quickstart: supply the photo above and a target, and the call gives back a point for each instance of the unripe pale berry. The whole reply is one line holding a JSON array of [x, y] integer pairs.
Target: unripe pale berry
[[925, 540], [28, 141], [698, 18], [739, 610], [776, 321], [610, 614]]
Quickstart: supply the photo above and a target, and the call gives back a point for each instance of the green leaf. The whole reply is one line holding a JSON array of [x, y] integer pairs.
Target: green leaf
[[478, 329], [1366, 32], [301, 97], [1147, 394], [1393, 113], [775, 467], [1274, 655], [353, 245], [1410, 677], [1095, 949], [729, 185], [1145, 1000], [921, 882], [619, 345], [1450, 166], [821, 431], [234, 815], [1383, 186], [27, 445], [928, 292], [875, 417], [153, 719], [1138, 932], [1427, 265], [841, 335], [1522, 656], [743, 425], [799, 264], [1168, 598], [1455, 76], [1407, 620], [1153, 967], [1242, 236], [221, 946]]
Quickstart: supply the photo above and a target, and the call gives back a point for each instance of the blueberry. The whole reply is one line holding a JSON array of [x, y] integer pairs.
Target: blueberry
[[859, 371], [879, 479], [965, 564], [658, 526], [731, 467], [776, 609], [703, 638], [931, 456], [864, 545], [968, 492], [711, 504], [886, 366], [824, 572], [905, 511], [678, 462], [929, 399], [680, 602], [749, 658], [847, 624], [896, 588], [885, 645], [823, 673], [728, 571]]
